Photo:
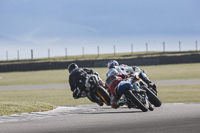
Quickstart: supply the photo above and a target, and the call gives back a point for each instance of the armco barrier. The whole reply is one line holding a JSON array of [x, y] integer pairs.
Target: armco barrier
[[161, 60]]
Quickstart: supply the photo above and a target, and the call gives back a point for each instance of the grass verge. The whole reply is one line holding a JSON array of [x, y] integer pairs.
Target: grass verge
[[24, 101], [180, 94], [7, 108]]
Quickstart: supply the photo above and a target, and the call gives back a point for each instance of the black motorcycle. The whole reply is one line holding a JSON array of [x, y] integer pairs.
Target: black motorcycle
[[96, 92], [136, 97], [150, 91]]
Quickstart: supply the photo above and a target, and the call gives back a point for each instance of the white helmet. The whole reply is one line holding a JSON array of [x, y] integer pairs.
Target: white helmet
[[136, 69], [112, 64]]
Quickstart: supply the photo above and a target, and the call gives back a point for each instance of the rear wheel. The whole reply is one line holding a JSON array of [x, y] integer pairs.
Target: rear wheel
[[133, 98], [152, 97], [103, 94]]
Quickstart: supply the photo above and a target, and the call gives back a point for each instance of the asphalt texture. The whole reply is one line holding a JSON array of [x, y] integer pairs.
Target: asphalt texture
[[169, 118]]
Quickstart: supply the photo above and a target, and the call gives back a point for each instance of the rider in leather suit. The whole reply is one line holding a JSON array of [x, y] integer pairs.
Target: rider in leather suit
[[116, 84], [77, 79], [142, 75]]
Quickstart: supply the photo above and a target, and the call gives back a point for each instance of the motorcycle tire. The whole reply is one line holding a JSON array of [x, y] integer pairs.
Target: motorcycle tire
[[103, 94], [152, 97], [151, 107], [134, 99]]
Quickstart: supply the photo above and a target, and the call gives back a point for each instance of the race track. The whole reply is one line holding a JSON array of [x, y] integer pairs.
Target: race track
[[169, 118]]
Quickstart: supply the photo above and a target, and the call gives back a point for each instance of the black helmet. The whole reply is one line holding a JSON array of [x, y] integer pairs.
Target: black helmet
[[72, 66]]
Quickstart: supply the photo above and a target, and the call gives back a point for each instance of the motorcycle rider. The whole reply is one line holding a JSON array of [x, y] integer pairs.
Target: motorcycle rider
[[116, 84], [77, 81], [142, 75], [131, 70]]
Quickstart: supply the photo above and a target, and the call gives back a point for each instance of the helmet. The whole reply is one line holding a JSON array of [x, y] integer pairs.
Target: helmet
[[112, 64], [136, 69], [72, 66]]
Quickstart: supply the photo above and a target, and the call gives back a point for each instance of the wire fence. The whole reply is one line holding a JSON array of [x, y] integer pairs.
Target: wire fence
[[65, 51]]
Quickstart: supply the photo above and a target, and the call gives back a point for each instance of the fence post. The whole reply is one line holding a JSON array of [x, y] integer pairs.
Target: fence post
[[179, 46], [31, 53], [163, 46], [18, 54], [66, 52], [7, 55], [48, 53], [131, 48], [83, 51], [114, 49], [196, 45], [97, 51], [147, 47]]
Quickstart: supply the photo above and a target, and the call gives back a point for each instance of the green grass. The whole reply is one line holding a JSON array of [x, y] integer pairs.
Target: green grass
[[166, 72], [34, 77], [160, 72], [180, 94], [172, 72], [53, 96], [24, 101], [7, 108]]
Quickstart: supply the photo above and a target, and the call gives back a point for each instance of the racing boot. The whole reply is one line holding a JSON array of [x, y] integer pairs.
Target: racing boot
[[100, 103], [153, 86]]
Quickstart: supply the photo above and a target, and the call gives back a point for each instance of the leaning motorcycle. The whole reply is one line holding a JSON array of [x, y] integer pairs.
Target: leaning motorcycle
[[151, 93], [150, 90], [96, 92], [153, 97], [135, 97]]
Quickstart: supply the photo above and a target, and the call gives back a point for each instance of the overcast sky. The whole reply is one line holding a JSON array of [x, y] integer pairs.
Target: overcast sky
[[73, 24]]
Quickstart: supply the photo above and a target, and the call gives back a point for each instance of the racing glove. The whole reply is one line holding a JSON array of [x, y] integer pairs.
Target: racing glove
[[77, 93], [96, 73]]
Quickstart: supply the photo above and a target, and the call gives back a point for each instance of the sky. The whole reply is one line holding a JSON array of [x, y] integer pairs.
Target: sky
[[76, 24]]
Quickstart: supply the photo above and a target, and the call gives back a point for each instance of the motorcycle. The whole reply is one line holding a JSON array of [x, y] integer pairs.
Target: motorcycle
[[150, 90], [136, 97], [96, 92], [153, 97], [151, 93]]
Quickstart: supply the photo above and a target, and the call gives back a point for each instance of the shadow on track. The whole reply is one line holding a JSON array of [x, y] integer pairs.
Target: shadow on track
[[106, 110], [119, 112]]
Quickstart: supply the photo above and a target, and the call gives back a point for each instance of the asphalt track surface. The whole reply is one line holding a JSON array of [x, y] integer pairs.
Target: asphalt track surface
[[169, 118], [61, 86]]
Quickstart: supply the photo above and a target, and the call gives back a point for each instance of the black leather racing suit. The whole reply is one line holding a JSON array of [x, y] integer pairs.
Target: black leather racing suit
[[77, 78]]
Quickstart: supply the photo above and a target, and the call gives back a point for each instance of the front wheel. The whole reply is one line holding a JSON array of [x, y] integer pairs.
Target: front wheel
[[103, 94], [134, 99], [152, 97]]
